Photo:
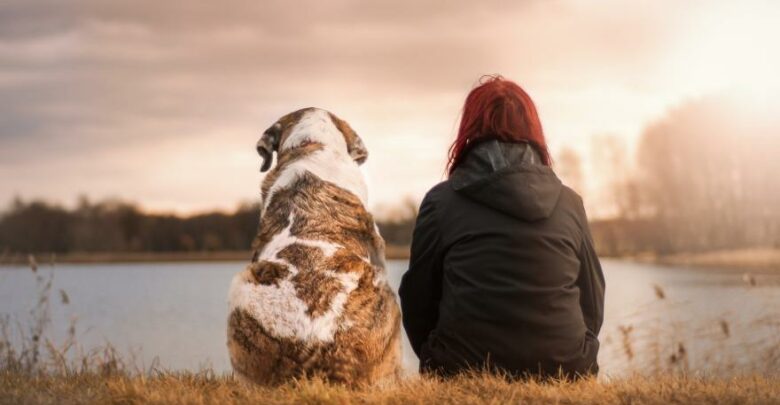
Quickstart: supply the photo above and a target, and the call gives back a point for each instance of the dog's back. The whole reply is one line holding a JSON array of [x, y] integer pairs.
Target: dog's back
[[314, 301]]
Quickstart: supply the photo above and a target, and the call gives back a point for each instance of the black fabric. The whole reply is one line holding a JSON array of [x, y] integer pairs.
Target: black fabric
[[502, 272]]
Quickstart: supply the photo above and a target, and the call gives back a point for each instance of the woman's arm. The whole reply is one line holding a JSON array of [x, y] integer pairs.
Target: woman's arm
[[590, 282], [420, 289]]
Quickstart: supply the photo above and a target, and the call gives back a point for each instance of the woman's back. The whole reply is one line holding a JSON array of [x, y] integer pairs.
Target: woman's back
[[503, 271]]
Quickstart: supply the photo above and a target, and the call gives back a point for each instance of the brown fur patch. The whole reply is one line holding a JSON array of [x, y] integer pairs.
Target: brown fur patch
[[350, 137], [285, 159], [322, 211], [312, 284], [267, 273]]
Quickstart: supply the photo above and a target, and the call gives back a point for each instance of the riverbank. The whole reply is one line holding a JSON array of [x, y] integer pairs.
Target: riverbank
[[127, 257], [743, 260], [183, 388], [392, 253], [757, 260]]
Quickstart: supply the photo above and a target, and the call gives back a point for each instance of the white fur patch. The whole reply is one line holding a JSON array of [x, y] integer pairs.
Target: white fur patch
[[332, 164], [278, 308]]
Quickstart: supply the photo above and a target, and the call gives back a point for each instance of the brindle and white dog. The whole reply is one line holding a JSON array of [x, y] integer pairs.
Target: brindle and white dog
[[314, 300]]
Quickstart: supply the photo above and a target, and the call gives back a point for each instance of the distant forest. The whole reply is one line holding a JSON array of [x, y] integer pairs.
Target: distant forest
[[117, 226], [705, 177]]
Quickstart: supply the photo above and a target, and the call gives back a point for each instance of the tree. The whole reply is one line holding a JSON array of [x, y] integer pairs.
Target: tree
[[569, 167]]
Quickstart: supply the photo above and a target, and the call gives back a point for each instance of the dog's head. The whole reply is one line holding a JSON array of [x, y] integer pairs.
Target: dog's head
[[276, 137]]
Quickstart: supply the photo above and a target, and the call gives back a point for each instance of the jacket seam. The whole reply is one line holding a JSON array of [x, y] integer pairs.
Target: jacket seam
[[592, 295], [437, 220]]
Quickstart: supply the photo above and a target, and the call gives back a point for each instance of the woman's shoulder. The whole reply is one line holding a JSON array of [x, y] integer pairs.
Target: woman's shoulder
[[439, 193], [442, 188], [570, 196], [570, 201], [436, 197]]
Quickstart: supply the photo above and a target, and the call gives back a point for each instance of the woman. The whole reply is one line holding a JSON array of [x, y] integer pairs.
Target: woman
[[503, 273]]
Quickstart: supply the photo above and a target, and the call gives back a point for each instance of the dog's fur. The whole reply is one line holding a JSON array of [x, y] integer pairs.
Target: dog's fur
[[314, 300]]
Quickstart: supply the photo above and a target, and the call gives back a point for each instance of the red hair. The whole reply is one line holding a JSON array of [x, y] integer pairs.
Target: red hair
[[497, 109]]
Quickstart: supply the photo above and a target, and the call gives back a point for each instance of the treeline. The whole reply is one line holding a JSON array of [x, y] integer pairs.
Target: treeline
[[117, 226], [706, 177]]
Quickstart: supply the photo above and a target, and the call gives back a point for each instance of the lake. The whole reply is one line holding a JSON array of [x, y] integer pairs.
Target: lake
[[655, 316]]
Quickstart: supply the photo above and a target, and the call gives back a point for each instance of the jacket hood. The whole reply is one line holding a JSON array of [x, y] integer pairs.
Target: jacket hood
[[508, 177]]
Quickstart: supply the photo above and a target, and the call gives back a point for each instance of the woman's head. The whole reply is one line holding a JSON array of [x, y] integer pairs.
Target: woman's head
[[497, 109]]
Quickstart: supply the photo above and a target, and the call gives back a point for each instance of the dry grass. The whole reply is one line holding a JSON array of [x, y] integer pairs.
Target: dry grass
[[205, 388]]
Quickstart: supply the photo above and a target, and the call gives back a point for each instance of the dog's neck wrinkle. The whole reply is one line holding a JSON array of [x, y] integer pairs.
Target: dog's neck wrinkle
[[305, 143], [287, 158], [336, 168], [300, 150]]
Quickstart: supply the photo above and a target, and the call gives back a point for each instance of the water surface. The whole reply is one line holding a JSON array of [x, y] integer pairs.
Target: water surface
[[177, 311]]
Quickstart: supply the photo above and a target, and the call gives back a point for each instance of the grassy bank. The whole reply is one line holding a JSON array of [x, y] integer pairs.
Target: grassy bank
[[205, 388]]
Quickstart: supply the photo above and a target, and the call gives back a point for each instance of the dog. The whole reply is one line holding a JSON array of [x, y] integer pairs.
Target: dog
[[314, 301]]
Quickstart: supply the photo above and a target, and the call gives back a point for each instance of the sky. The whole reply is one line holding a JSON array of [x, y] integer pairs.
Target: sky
[[162, 102]]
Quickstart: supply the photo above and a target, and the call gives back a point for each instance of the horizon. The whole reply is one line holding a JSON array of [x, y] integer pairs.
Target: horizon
[[161, 104]]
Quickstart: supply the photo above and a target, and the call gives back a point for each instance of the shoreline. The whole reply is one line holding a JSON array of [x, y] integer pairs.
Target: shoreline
[[392, 252], [125, 257], [758, 260], [743, 260]]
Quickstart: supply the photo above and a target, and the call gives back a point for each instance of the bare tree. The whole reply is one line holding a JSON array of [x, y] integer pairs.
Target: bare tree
[[569, 167]]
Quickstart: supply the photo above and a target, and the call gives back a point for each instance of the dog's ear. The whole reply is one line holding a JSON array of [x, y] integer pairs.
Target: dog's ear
[[357, 150], [268, 144]]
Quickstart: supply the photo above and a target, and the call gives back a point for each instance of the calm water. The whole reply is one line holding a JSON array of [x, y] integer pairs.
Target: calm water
[[177, 311]]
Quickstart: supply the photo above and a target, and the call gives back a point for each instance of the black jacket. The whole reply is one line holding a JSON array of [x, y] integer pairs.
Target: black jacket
[[502, 271]]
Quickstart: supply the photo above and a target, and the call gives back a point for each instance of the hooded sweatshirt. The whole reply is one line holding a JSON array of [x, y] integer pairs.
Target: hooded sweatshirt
[[502, 272]]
